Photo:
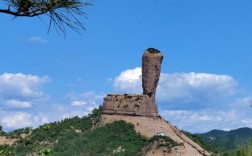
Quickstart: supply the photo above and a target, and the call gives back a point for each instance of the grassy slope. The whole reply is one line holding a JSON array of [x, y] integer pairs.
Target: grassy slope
[[77, 136], [227, 140], [226, 143]]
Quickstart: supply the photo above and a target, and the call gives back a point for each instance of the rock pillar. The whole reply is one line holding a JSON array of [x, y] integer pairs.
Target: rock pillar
[[151, 66], [139, 104]]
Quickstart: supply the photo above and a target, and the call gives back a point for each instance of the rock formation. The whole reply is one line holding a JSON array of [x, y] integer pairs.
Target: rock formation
[[151, 67], [139, 104], [141, 111]]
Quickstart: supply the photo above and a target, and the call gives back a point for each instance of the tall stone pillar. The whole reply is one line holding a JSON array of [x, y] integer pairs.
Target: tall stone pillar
[[139, 104], [151, 66]]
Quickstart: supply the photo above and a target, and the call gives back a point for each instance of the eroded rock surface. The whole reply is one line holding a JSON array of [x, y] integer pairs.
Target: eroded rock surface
[[141, 110], [128, 104], [151, 67], [139, 104]]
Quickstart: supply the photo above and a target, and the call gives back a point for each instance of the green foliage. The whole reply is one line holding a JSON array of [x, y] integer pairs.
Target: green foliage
[[80, 136], [5, 150], [225, 142], [245, 150], [153, 50], [43, 139], [45, 127], [45, 151], [83, 136], [206, 145], [103, 141], [231, 143], [161, 141], [1, 131], [16, 133]]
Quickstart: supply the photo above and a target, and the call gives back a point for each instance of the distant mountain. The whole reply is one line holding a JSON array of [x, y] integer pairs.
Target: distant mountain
[[227, 140]]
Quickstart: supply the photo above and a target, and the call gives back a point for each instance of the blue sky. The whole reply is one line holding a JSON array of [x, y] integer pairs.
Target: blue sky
[[205, 81]]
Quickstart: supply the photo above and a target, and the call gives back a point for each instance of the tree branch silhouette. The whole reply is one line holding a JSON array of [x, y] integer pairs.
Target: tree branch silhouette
[[60, 12]]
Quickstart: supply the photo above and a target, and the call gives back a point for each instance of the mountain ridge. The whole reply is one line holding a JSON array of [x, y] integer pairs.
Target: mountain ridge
[[227, 140]]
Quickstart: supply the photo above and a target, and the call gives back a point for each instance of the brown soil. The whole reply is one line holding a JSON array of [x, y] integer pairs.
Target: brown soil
[[7, 141], [10, 141]]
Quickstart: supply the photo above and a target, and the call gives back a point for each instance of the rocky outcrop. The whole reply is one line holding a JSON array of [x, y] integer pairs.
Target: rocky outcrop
[[139, 104], [141, 111], [128, 104], [151, 67]]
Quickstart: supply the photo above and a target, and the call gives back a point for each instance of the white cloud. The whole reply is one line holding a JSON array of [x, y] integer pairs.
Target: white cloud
[[18, 104], [78, 103], [129, 81], [195, 88], [84, 95], [86, 98], [21, 86], [245, 102], [73, 113], [15, 120], [236, 115], [38, 39], [247, 122], [20, 91], [180, 89], [206, 120], [187, 84], [11, 119], [196, 102]]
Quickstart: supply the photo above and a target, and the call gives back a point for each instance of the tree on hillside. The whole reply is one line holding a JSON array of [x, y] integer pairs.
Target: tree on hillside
[[60, 12]]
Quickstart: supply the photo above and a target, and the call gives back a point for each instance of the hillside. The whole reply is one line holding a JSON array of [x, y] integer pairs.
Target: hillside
[[98, 134], [152, 126], [227, 140], [76, 136]]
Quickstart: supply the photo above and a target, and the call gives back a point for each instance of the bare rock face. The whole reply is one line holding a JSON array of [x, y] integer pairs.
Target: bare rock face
[[139, 104], [151, 67], [126, 104]]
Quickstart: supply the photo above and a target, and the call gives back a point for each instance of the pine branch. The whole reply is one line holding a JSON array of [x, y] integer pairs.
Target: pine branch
[[60, 12]]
